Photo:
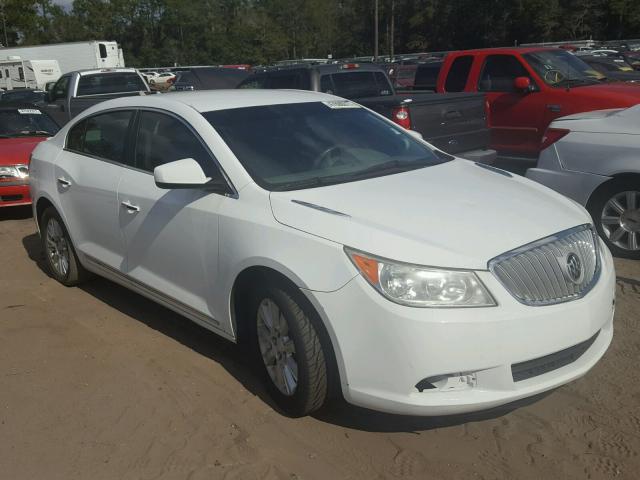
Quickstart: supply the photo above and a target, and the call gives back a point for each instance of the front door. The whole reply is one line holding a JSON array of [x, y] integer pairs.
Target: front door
[[515, 116], [171, 235], [87, 174]]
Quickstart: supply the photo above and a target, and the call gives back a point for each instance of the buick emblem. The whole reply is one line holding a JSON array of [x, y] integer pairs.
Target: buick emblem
[[574, 269]]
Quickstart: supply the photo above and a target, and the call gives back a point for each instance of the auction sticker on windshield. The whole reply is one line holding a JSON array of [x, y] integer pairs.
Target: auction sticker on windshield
[[336, 104], [29, 111]]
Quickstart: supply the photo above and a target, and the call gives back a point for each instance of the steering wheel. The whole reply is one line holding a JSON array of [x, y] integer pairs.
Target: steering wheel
[[331, 158], [553, 76]]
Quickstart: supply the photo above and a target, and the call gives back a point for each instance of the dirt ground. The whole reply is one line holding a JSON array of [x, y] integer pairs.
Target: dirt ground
[[100, 383]]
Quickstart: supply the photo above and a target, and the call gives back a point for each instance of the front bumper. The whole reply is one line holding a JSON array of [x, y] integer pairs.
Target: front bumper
[[384, 350], [13, 194]]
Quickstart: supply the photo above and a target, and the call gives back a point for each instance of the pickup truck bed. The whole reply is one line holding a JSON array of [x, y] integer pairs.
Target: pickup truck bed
[[454, 123]]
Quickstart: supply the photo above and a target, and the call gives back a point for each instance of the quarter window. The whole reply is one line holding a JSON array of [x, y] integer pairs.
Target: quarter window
[[500, 72], [76, 136], [163, 138], [458, 74], [105, 135]]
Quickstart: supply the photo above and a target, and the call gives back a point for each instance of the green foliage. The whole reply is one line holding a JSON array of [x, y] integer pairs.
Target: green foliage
[[167, 32]]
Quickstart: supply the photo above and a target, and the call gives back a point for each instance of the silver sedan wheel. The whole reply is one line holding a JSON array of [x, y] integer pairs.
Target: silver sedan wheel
[[621, 220], [276, 347], [57, 248]]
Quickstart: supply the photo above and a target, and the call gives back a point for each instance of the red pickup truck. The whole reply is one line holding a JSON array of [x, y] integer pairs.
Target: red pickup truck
[[527, 88]]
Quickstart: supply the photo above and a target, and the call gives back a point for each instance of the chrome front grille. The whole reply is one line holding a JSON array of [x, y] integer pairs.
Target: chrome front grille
[[555, 269]]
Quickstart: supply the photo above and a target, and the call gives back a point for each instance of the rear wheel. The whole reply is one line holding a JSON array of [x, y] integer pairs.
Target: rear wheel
[[290, 351], [616, 213], [60, 255]]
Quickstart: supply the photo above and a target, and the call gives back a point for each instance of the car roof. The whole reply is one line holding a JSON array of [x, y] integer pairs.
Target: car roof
[[322, 67], [209, 100]]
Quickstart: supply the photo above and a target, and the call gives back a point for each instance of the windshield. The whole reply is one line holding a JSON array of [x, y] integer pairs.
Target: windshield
[[559, 68], [26, 122], [304, 145]]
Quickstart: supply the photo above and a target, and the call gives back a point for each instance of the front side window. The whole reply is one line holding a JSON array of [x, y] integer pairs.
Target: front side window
[[458, 74], [163, 138], [60, 88], [304, 145], [499, 73], [105, 135], [103, 50], [21, 73], [101, 83], [559, 68]]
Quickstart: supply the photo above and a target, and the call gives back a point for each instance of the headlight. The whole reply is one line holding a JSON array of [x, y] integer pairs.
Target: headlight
[[418, 286], [14, 171]]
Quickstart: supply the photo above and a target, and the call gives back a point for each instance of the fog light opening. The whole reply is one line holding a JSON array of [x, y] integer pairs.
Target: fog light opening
[[448, 382]]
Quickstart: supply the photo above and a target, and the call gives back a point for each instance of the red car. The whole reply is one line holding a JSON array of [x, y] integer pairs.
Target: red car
[[22, 127], [527, 88]]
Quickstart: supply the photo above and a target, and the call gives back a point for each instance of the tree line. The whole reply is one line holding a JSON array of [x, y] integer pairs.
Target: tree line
[[167, 32]]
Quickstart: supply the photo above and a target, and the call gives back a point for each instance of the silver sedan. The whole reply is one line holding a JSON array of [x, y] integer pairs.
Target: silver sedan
[[594, 158]]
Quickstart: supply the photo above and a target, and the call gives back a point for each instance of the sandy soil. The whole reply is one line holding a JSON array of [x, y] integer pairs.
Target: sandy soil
[[99, 383]]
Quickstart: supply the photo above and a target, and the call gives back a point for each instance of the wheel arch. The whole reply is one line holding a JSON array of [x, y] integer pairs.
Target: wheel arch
[[238, 308], [620, 177]]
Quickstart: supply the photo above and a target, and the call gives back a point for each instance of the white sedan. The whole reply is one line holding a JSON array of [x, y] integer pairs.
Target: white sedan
[[352, 257]]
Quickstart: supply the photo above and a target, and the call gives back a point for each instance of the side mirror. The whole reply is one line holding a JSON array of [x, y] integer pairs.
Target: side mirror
[[523, 84], [416, 135], [185, 173]]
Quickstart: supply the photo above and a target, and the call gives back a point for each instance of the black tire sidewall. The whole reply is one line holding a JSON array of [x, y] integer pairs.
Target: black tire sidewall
[[294, 405], [72, 276]]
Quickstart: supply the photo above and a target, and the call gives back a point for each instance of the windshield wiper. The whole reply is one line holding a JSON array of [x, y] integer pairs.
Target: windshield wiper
[[392, 166]]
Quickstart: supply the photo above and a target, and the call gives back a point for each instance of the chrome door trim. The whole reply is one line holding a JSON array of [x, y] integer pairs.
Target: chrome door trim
[[156, 295]]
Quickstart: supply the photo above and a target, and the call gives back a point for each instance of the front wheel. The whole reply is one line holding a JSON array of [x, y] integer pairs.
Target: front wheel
[[290, 351], [616, 213]]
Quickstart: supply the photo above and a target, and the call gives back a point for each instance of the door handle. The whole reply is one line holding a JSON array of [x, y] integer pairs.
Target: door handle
[[453, 114], [555, 108], [64, 182], [130, 207]]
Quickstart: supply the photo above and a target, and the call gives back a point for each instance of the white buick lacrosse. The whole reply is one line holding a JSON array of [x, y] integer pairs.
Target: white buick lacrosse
[[352, 257]]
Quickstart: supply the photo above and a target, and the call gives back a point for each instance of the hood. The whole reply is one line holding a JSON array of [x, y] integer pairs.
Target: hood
[[608, 95], [618, 121], [456, 214], [16, 151]]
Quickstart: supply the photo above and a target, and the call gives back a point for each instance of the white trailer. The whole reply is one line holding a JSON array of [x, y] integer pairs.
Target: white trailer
[[18, 73], [72, 56]]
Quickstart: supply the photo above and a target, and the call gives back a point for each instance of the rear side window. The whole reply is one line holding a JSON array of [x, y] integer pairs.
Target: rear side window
[[163, 138], [356, 84], [254, 82], [458, 74], [285, 81], [427, 76], [110, 83], [499, 73], [105, 135]]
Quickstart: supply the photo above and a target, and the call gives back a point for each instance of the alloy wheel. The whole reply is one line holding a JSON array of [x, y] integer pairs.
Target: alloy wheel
[[620, 220], [276, 347], [57, 248]]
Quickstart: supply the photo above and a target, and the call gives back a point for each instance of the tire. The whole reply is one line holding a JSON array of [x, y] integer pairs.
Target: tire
[[300, 343], [60, 256], [618, 222]]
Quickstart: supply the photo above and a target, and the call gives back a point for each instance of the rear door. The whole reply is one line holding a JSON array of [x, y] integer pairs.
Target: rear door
[[87, 173], [515, 116], [171, 235]]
